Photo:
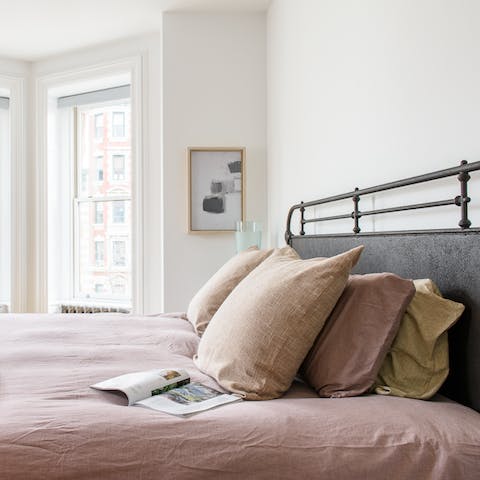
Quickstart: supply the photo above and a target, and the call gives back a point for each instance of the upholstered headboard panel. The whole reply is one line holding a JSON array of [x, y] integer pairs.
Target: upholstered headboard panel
[[452, 260]]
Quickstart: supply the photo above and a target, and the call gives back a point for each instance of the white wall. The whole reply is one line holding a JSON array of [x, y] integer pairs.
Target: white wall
[[214, 95], [360, 93]]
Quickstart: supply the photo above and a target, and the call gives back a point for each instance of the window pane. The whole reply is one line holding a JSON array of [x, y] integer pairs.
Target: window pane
[[5, 216], [103, 251], [101, 165], [103, 224]]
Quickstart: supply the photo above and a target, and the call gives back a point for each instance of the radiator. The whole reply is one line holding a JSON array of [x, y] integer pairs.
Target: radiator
[[69, 308]]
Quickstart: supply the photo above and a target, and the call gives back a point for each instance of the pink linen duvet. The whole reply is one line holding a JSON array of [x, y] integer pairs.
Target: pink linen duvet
[[53, 426]]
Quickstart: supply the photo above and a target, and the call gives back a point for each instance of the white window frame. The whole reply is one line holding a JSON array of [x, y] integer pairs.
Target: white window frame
[[136, 68]]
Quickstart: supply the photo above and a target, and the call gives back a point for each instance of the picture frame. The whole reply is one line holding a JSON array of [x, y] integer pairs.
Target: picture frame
[[216, 188]]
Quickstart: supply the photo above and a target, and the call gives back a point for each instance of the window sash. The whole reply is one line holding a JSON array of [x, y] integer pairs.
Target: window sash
[[82, 198]]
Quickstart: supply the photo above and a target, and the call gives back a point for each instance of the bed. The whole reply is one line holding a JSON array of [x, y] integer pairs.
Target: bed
[[54, 427]]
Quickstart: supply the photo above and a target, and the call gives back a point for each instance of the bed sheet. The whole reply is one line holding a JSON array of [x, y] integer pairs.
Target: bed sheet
[[52, 425]]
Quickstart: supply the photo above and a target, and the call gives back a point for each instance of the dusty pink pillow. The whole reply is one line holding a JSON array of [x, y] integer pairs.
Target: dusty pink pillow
[[348, 353]]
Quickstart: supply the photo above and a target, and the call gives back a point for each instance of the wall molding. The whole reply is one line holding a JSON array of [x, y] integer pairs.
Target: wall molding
[[135, 66]]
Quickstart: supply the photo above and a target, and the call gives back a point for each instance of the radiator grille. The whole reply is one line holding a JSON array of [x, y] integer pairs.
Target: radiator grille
[[66, 308]]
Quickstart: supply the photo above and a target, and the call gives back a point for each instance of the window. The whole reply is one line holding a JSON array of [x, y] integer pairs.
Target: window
[[103, 214], [119, 253], [99, 168], [99, 253], [84, 180], [119, 286], [98, 212], [118, 213], [118, 167], [5, 203], [98, 126], [118, 124]]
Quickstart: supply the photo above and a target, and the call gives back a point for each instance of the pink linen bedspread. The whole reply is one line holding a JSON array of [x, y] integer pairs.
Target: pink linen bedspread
[[53, 426]]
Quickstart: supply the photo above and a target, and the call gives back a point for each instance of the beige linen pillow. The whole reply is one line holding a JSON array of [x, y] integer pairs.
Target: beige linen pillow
[[260, 335], [207, 300], [417, 364]]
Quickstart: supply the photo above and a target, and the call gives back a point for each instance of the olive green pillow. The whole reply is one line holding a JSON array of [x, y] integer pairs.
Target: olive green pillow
[[417, 363]]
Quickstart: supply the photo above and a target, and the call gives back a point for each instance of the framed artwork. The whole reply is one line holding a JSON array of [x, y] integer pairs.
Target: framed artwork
[[216, 186]]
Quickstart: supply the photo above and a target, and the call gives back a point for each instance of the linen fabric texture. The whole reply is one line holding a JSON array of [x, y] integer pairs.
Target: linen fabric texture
[[418, 364], [348, 353], [208, 299], [52, 426], [260, 335]]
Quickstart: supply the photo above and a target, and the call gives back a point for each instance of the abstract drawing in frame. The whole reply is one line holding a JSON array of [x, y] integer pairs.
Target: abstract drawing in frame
[[216, 188]]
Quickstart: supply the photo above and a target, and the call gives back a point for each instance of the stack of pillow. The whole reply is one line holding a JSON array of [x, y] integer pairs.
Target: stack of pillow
[[268, 315]]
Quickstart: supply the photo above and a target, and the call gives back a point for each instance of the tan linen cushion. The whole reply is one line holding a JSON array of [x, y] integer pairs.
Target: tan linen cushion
[[417, 363], [260, 335], [348, 353], [209, 298]]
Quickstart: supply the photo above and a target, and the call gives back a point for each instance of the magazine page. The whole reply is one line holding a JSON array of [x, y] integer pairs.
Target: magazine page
[[139, 385], [188, 399]]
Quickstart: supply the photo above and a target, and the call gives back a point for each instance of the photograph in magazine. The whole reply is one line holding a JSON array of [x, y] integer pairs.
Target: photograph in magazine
[[166, 390]]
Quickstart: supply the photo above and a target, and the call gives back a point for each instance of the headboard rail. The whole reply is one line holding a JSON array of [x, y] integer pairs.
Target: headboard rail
[[462, 200]]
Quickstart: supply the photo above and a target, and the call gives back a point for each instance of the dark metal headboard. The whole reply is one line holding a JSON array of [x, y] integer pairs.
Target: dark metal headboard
[[450, 257]]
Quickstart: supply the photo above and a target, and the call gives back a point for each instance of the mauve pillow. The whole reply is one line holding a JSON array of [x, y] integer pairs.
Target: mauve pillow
[[348, 353]]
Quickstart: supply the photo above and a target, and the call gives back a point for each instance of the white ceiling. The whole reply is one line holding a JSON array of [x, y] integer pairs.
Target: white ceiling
[[35, 29]]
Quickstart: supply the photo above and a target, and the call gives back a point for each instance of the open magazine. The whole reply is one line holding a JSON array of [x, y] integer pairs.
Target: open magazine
[[169, 391]]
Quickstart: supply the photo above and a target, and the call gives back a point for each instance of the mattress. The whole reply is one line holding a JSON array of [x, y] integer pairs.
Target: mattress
[[52, 425]]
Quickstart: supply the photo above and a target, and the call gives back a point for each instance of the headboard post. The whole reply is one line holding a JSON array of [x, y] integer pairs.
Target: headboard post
[[356, 216], [463, 178]]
